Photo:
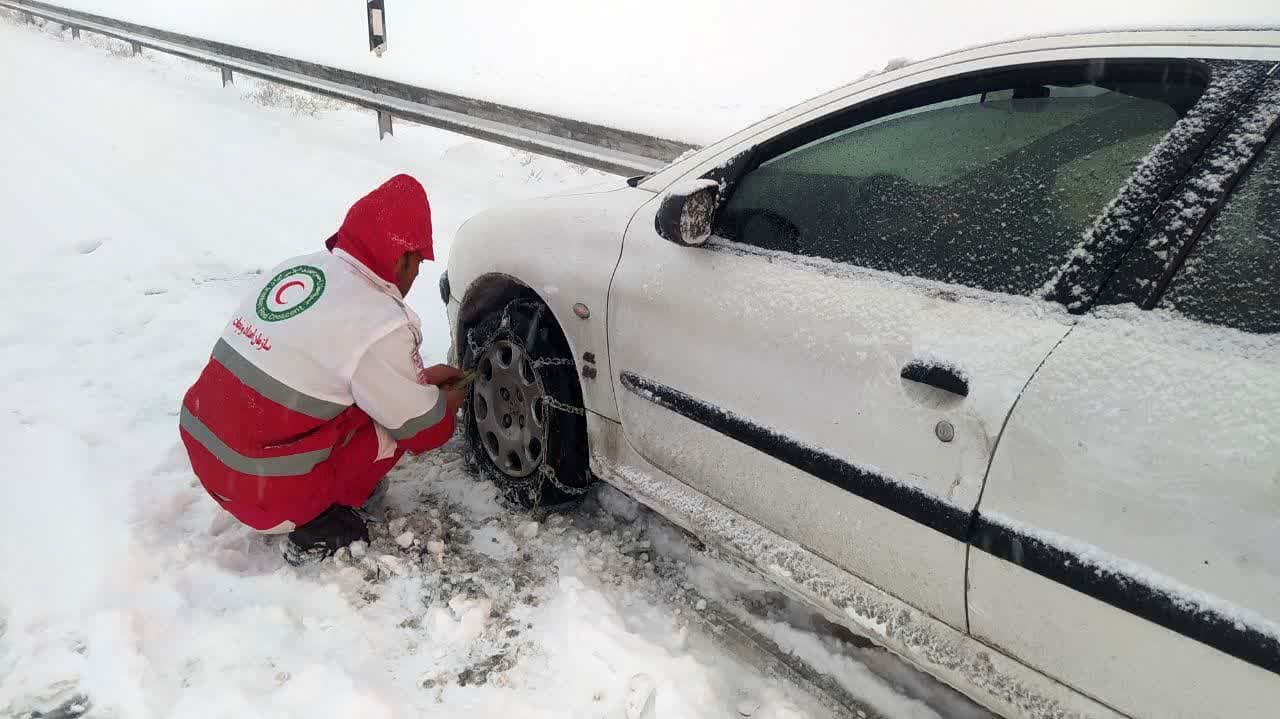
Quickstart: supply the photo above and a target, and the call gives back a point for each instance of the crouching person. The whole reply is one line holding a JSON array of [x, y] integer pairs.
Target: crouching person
[[316, 388]]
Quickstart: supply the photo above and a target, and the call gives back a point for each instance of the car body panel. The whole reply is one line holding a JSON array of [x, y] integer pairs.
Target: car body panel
[[562, 248], [1153, 441]]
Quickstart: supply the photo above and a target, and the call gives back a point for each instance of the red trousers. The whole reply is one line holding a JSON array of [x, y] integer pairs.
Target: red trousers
[[347, 477], [359, 472]]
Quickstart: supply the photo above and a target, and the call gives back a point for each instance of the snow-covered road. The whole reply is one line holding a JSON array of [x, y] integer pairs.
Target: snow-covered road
[[137, 198]]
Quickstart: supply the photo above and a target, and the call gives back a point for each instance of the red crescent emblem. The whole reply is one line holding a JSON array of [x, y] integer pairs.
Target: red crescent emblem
[[284, 287]]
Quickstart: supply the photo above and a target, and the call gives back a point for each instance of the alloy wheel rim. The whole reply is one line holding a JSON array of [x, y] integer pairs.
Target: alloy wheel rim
[[508, 409]]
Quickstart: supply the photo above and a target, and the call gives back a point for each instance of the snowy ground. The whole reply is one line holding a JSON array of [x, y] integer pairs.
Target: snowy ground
[[694, 70], [137, 199]]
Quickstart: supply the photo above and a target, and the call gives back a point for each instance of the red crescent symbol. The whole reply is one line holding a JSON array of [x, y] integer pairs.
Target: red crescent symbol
[[284, 287]]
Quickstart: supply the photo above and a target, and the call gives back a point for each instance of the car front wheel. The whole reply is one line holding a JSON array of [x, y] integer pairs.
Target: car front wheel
[[525, 428]]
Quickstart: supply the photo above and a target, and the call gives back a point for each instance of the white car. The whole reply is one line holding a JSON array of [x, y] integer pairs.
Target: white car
[[979, 356]]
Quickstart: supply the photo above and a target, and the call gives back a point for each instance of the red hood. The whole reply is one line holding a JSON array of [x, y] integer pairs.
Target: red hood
[[383, 225]]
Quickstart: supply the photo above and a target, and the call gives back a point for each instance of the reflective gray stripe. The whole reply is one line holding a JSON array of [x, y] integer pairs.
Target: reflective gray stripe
[[422, 421], [272, 388], [290, 465]]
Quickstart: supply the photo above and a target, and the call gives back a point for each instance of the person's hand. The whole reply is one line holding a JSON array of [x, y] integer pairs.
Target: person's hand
[[442, 374]]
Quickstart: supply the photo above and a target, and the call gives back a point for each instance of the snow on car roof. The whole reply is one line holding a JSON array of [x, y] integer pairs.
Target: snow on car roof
[[1163, 41]]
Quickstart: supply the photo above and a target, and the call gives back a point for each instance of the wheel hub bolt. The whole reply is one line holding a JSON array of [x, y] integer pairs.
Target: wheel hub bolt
[[506, 394], [506, 421]]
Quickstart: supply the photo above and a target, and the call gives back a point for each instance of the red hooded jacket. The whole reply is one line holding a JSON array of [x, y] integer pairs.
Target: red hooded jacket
[[280, 423], [386, 223]]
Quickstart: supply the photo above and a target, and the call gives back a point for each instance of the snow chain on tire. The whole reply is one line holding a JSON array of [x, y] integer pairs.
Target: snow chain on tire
[[481, 336]]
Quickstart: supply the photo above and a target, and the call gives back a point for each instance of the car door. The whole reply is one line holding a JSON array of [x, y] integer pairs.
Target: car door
[[838, 362], [1128, 534]]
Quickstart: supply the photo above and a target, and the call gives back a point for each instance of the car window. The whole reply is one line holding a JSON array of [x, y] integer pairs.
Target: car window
[[1230, 276], [989, 189]]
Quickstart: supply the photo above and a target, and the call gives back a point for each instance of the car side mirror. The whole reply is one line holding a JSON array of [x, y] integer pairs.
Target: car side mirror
[[684, 217]]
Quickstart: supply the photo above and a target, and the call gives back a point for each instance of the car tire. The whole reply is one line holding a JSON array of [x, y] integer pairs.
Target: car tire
[[524, 426]]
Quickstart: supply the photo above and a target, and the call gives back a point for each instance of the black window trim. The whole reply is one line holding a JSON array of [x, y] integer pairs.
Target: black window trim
[[731, 172]]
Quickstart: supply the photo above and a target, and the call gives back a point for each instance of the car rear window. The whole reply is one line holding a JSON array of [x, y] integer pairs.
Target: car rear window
[[1231, 275]]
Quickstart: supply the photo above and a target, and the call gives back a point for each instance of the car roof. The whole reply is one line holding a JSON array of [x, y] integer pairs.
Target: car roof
[[1261, 44], [1167, 42]]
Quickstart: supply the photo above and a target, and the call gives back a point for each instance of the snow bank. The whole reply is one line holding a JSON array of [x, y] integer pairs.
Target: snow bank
[[688, 71]]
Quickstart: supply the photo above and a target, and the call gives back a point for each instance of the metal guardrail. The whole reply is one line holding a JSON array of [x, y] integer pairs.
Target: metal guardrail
[[596, 146]]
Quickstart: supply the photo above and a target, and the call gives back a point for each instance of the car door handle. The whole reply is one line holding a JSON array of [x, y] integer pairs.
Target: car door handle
[[947, 379]]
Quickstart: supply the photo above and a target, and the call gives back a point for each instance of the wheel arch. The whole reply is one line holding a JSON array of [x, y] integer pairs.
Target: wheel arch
[[563, 251], [486, 294]]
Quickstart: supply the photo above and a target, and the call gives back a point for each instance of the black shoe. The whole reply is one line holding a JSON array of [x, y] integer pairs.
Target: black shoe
[[336, 527]]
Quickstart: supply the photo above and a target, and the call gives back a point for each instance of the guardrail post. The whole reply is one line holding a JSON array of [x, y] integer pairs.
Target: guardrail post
[[227, 77], [75, 32], [136, 47], [27, 18], [384, 124]]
